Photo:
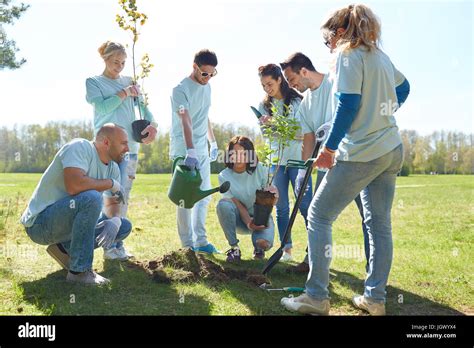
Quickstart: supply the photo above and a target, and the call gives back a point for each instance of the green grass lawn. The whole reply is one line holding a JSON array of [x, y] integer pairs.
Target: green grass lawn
[[431, 272]]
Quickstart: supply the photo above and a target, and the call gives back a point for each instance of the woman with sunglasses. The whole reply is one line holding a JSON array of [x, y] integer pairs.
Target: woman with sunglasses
[[369, 156], [286, 100], [114, 98]]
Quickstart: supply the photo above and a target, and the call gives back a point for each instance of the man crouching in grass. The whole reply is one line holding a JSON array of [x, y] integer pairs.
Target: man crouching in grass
[[65, 211]]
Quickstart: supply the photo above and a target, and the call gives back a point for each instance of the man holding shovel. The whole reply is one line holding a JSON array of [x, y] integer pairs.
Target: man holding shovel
[[65, 211], [314, 111], [190, 131]]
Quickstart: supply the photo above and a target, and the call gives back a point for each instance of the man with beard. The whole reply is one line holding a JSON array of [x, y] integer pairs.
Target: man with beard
[[315, 110], [66, 212]]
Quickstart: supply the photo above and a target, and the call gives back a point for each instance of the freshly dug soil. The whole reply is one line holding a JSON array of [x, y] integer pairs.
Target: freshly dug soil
[[265, 198], [184, 265]]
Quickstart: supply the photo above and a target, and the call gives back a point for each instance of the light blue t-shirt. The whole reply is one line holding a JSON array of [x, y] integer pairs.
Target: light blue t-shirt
[[374, 131], [78, 153], [316, 107], [243, 185], [293, 151], [109, 107], [196, 98]]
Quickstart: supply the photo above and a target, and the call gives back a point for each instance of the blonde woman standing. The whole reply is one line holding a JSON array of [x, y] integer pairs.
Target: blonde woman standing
[[368, 90], [114, 98]]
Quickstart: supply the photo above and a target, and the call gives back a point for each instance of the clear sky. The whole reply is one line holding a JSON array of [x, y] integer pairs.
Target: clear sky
[[431, 42]]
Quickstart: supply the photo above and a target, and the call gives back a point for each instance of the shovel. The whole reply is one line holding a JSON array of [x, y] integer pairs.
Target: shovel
[[320, 136]]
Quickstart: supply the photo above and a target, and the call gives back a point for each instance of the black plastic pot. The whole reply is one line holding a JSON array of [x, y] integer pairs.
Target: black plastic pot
[[261, 214], [137, 127]]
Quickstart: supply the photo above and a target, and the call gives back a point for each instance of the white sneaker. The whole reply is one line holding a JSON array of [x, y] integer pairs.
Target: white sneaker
[[125, 252], [306, 305], [367, 305], [286, 257], [115, 254], [88, 277]]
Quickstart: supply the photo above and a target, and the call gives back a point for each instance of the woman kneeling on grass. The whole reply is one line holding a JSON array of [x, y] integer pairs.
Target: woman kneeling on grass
[[235, 209]]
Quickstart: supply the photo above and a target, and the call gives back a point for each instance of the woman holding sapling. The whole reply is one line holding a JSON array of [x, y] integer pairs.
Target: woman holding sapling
[[369, 156], [282, 99], [236, 208], [114, 98]]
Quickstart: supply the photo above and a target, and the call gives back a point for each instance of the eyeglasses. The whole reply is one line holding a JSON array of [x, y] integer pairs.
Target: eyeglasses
[[327, 43], [206, 74]]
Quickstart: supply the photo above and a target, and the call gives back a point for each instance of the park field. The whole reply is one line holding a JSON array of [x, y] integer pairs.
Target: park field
[[431, 274]]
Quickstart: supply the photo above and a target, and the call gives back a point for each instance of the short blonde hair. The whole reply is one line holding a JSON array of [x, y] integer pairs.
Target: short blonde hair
[[361, 25], [110, 48]]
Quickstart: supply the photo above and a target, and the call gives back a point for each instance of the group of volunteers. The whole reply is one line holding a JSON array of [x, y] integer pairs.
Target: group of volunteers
[[81, 200]]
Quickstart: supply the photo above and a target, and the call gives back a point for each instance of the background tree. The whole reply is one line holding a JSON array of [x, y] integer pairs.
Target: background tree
[[8, 49]]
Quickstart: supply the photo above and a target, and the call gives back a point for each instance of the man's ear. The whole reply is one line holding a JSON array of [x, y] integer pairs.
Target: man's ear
[[106, 141], [304, 72]]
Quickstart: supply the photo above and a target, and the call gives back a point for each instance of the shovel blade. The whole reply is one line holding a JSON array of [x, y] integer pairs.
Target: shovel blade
[[273, 260]]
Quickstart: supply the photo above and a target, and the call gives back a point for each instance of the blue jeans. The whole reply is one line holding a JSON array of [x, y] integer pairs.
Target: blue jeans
[[71, 221], [282, 181], [358, 202], [376, 179], [231, 222]]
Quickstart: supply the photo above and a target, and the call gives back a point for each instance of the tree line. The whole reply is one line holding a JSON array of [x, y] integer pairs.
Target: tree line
[[31, 148]]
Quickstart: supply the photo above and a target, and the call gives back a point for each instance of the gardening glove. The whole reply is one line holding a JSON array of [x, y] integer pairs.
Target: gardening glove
[[117, 191], [323, 131], [111, 227], [213, 151], [299, 181], [191, 160]]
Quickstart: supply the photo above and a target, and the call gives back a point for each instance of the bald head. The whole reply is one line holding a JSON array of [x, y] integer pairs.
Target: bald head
[[112, 142], [110, 131]]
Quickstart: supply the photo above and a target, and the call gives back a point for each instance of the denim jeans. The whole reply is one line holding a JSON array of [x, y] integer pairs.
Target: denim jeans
[[71, 221], [282, 181], [231, 222], [376, 179], [358, 202], [192, 222]]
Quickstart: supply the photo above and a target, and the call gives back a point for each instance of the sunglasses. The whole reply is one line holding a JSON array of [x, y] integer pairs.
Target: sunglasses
[[206, 74]]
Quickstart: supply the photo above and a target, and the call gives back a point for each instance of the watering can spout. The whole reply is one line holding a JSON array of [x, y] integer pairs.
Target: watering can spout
[[222, 189]]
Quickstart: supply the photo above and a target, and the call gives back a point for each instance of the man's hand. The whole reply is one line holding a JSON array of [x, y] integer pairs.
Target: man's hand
[[251, 226], [152, 131], [111, 227], [325, 159], [213, 151], [299, 182], [191, 159]]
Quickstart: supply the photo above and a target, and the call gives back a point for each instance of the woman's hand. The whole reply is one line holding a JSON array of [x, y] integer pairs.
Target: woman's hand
[[132, 91], [251, 226], [152, 131], [265, 119], [325, 159]]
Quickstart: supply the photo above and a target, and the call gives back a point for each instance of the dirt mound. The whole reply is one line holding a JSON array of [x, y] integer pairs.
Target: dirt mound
[[184, 265]]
